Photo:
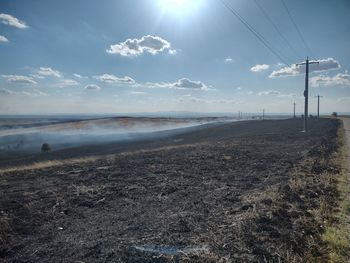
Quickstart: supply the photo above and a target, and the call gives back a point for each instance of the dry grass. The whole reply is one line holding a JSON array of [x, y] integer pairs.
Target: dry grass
[[48, 164], [337, 233]]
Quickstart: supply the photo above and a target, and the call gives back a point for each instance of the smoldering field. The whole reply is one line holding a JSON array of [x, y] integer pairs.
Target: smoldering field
[[18, 136], [257, 191]]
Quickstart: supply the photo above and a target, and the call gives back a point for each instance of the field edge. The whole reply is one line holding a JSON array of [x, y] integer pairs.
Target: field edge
[[337, 232]]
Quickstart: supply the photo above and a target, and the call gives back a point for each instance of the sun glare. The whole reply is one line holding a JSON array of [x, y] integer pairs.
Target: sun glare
[[178, 6]]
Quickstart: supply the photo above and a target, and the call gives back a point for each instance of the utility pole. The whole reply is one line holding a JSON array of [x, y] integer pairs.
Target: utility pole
[[294, 110], [263, 114], [306, 91], [318, 106]]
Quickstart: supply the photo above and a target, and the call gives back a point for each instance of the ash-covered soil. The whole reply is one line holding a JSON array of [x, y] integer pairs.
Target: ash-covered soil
[[225, 193]]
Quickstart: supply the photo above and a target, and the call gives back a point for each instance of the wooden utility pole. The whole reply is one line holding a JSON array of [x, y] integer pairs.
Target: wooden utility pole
[[294, 110], [318, 106], [306, 91]]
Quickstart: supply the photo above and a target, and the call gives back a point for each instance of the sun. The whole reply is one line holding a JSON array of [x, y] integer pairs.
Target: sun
[[170, 4], [178, 6]]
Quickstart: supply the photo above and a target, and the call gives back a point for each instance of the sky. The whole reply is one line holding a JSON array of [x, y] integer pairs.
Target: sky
[[128, 56]]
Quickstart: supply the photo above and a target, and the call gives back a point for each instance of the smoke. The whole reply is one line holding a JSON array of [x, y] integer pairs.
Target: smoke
[[89, 132]]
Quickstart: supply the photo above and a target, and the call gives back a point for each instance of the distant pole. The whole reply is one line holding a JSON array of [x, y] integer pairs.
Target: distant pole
[[318, 106], [306, 91], [263, 114], [306, 94], [294, 110]]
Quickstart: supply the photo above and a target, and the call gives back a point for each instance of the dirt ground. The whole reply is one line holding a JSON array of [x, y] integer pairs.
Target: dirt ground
[[225, 193]]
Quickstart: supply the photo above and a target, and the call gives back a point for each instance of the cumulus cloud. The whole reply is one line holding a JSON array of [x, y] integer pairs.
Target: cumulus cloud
[[259, 68], [92, 87], [146, 44], [49, 72], [3, 39], [185, 83], [12, 21], [293, 70], [341, 79], [19, 79], [111, 79], [181, 84], [269, 92]]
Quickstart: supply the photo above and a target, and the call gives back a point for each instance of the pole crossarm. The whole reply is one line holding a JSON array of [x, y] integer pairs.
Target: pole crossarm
[[310, 62]]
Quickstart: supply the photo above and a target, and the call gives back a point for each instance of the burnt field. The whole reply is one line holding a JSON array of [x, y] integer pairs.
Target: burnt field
[[257, 191]]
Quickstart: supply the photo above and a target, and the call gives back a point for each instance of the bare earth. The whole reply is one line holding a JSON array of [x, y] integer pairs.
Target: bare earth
[[225, 193]]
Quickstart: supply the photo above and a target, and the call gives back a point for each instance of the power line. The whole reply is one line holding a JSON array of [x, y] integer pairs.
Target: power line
[[255, 33], [276, 28], [296, 27]]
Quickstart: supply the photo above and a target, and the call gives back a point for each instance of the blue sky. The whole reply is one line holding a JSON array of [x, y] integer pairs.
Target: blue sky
[[87, 56]]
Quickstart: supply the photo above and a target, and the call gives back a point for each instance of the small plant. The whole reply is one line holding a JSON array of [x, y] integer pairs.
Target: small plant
[[334, 114], [45, 147]]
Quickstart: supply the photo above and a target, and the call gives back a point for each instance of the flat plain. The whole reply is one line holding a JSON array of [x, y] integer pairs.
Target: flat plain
[[250, 191]]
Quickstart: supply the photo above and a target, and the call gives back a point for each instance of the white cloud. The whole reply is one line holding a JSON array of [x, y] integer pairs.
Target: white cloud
[[188, 98], [77, 75], [3, 39], [181, 84], [340, 79], [36, 76], [293, 70], [137, 92], [92, 87], [12, 21], [66, 83], [136, 47], [288, 95], [108, 78], [276, 93], [31, 93], [49, 72], [173, 51], [228, 59], [259, 67], [269, 92], [19, 79], [185, 83]]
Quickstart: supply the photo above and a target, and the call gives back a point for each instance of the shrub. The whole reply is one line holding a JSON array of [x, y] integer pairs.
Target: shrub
[[334, 114], [45, 147]]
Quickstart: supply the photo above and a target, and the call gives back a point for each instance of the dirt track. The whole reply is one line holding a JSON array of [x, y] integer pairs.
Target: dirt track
[[199, 192]]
